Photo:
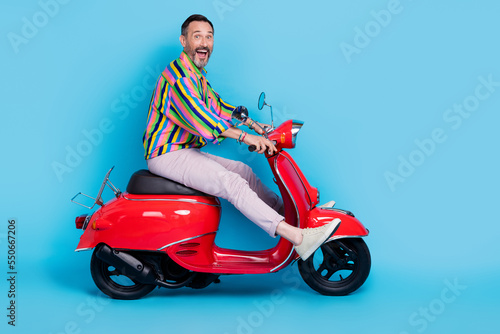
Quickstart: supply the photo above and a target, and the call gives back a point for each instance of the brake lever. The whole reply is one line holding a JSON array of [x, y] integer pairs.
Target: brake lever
[[265, 130]]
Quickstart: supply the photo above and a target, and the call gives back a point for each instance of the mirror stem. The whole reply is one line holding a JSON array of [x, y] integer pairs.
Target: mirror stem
[[272, 118]]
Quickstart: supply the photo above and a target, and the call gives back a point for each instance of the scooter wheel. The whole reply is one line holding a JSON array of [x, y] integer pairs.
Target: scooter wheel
[[114, 284], [338, 267]]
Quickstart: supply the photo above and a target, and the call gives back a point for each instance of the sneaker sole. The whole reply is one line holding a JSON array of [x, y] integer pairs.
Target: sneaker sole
[[319, 243]]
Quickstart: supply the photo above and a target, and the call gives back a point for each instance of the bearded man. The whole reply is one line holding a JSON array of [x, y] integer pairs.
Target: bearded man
[[185, 114]]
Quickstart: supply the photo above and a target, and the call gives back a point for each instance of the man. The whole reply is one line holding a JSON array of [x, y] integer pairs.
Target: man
[[185, 113]]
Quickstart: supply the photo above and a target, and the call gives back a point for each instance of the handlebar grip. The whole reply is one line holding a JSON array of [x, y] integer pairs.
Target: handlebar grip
[[252, 148]]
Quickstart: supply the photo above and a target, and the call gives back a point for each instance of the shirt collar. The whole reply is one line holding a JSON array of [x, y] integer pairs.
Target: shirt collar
[[191, 66]]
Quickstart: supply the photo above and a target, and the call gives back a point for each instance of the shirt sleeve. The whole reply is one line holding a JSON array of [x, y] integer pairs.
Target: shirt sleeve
[[226, 109], [194, 114]]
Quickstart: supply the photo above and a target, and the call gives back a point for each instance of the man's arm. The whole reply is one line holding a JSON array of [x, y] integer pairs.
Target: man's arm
[[193, 114], [262, 144]]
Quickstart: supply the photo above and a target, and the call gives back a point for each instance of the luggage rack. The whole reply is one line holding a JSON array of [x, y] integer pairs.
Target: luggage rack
[[98, 198]]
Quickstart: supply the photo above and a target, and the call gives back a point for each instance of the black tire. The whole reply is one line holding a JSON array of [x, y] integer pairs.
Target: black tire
[[114, 284], [338, 267]]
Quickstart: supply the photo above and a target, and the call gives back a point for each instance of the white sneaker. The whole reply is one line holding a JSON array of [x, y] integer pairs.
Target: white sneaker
[[313, 238]]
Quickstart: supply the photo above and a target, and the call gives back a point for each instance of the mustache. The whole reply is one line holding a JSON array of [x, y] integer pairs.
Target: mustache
[[203, 49]]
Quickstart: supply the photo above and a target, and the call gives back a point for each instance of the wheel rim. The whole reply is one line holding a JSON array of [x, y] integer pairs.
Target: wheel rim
[[334, 264], [117, 281]]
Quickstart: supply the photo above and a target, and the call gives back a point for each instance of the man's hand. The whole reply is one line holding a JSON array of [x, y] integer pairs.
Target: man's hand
[[262, 144], [255, 126]]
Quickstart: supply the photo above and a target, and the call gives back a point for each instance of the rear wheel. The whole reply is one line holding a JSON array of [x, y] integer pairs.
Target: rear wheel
[[338, 267], [114, 284]]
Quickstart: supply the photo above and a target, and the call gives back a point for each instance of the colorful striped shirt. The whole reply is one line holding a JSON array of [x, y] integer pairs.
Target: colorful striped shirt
[[184, 111]]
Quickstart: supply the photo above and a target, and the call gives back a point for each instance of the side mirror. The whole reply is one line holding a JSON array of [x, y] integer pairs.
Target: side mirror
[[262, 100], [240, 113], [262, 103]]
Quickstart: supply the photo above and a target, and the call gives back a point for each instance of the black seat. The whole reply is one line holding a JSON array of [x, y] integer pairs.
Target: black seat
[[143, 182]]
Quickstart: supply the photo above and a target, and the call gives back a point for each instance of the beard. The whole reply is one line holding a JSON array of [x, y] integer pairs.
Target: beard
[[193, 54]]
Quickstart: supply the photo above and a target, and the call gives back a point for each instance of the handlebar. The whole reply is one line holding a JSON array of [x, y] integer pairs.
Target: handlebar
[[252, 148]]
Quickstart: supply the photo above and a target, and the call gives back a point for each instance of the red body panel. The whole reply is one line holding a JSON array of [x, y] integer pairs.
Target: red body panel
[[282, 135], [185, 226], [299, 197], [151, 222], [202, 255]]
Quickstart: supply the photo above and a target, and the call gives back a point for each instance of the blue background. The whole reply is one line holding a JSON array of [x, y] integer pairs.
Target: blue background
[[80, 67]]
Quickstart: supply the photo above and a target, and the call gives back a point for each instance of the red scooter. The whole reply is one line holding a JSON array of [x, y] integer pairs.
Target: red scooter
[[161, 233]]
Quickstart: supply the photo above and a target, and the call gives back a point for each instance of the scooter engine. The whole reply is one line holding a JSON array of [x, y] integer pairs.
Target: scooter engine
[[175, 274]]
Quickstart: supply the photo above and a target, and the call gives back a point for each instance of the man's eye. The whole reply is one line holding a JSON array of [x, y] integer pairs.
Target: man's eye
[[209, 37]]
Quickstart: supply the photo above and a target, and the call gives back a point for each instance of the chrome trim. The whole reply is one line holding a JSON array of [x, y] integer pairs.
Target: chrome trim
[[295, 205], [283, 261], [86, 222], [346, 212], [296, 126], [187, 239], [335, 237], [82, 249], [169, 200]]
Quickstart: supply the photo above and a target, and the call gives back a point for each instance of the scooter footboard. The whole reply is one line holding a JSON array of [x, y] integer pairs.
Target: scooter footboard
[[349, 227]]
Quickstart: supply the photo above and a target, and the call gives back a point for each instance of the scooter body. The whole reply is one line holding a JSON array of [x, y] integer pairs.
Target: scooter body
[[164, 219]]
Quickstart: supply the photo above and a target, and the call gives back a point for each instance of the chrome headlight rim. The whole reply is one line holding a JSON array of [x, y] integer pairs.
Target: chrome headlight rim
[[296, 126]]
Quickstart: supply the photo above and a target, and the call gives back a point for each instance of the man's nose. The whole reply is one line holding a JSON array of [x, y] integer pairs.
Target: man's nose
[[204, 41]]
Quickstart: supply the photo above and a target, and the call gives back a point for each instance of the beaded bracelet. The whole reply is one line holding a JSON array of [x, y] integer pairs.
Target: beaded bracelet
[[250, 125], [239, 140]]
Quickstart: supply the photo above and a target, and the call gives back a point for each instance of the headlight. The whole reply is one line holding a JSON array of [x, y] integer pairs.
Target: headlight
[[296, 126]]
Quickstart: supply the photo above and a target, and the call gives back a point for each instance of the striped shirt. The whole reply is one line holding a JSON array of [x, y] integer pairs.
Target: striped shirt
[[184, 111]]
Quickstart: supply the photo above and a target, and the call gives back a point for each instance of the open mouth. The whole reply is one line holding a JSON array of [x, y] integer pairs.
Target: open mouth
[[202, 54]]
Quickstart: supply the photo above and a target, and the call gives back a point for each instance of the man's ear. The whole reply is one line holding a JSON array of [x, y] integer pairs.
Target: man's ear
[[182, 39]]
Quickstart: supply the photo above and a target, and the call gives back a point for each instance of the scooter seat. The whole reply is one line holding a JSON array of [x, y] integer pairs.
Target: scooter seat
[[143, 182]]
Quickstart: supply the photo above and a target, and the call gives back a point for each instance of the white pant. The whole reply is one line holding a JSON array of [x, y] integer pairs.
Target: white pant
[[225, 178]]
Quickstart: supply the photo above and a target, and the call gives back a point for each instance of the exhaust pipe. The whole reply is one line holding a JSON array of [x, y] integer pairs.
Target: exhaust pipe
[[133, 268], [126, 264]]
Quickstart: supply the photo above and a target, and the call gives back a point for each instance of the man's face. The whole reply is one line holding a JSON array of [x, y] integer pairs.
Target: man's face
[[198, 42]]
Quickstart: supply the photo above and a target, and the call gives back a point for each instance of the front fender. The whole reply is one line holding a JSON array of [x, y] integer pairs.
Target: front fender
[[349, 227]]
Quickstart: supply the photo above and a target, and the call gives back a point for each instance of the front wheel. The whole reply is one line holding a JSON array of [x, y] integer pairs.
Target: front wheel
[[338, 267], [114, 283]]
